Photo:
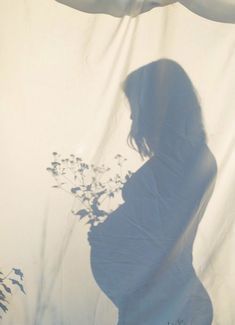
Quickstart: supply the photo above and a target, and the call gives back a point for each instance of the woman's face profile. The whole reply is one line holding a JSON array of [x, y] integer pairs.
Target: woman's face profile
[[164, 108]]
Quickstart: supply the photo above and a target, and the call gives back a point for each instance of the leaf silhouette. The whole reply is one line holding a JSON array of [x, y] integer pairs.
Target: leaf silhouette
[[19, 273], [91, 222], [74, 190], [82, 213], [55, 163], [6, 288], [2, 295], [15, 282], [3, 307], [99, 194]]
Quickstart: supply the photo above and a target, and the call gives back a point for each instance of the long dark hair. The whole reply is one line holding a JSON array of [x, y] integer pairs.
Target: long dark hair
[[164, 107]]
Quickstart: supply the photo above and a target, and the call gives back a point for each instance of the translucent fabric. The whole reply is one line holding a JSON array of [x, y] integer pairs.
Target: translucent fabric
[[117, 162]]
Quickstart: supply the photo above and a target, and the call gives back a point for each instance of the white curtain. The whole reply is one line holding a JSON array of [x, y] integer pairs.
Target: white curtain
[[117, 162]]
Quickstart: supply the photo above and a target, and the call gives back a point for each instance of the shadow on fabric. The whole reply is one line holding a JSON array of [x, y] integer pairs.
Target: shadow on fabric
[[141, 256], [222, 11], [116, 8]]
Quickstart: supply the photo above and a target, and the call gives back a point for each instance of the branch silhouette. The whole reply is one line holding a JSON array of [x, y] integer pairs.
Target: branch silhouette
[[90, 185], [14, 278]]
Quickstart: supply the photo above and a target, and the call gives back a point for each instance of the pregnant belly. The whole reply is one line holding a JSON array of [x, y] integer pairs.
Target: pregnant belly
[[125, 249], [135, 264]]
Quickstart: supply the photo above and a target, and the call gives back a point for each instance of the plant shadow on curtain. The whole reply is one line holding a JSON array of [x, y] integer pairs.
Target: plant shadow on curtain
[[141, 256]]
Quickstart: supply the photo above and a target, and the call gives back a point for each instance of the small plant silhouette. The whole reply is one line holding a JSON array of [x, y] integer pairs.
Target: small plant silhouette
[[14, 278], [93, 189], [89, 184]]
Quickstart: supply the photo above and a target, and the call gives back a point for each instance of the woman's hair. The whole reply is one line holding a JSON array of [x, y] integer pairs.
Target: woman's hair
[[164, 108]]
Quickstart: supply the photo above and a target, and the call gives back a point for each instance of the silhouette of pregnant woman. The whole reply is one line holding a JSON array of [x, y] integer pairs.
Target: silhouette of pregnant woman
[[141, 256]]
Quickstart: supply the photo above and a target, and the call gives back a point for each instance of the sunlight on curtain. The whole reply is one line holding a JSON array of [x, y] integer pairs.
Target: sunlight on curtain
[[117, 162]]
